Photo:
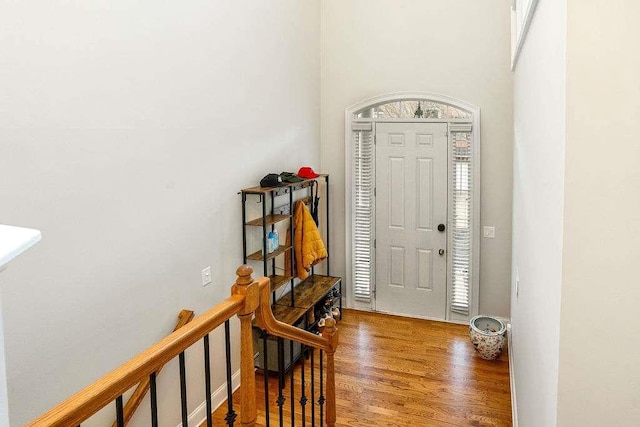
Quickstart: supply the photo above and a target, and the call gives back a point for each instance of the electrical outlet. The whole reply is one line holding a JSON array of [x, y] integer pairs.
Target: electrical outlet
[[489, 232], [206, 276]]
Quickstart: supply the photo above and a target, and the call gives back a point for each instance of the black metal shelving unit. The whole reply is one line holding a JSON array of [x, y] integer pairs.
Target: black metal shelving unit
[[301, 298]]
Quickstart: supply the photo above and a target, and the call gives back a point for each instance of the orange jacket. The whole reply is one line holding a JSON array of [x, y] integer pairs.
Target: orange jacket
[[307, 242]]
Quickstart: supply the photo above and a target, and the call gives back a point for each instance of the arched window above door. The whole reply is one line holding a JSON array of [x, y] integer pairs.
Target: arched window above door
[[412, 108]]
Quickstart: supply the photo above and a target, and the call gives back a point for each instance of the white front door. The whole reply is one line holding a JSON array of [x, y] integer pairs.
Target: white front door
[[411, 202]]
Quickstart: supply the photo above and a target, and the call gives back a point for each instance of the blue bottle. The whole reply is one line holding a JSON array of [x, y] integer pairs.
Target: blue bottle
[[270, 242]]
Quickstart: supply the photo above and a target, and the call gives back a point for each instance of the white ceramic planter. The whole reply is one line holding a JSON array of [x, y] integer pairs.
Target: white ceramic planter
[[487, 336]]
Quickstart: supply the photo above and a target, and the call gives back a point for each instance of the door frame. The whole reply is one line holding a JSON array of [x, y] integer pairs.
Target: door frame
[[474, 111]]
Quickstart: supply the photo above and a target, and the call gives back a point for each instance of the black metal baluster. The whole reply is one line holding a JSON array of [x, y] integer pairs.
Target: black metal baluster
[[321, 399], [207, 381], [154, 399], [313, 388], [303, 397], [273, 227], [291, 242], [326, 179], [313, 268], [291, 397], [119, 412], [231, 414], [244, 229], [340, 299], [183, 390], [281, 398], [265, 368]]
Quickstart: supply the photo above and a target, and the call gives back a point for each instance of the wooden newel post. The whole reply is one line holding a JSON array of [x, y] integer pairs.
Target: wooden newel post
[[331, 333], [246, 286]]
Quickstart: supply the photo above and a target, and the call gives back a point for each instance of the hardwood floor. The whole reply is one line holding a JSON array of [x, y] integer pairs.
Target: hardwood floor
[[395, 371]]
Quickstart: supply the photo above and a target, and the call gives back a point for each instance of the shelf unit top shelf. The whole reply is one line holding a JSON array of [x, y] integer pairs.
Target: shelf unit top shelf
[[309, 291], [266, 190]]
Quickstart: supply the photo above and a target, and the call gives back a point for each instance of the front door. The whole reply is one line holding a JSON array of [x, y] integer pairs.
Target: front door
[[411, 202]]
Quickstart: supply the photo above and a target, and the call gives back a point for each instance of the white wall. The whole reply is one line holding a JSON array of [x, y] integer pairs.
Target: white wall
[[599, 375], [126, 130], [4, 395], [457, 48], [538, 177]]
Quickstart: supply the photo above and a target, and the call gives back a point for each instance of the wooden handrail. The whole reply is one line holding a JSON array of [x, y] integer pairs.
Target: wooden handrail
[[266, 320], [91, 399], [248, 298], [327, 342], [184, 317]]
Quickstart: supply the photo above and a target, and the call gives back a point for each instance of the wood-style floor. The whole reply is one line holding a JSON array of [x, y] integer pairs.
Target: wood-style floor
[[396, 371]]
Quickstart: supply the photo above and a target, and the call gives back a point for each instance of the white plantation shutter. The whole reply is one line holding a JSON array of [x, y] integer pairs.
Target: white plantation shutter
[[363, 210], [461, 248]]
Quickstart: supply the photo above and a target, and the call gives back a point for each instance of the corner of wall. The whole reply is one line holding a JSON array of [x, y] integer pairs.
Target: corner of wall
[[512, 378]]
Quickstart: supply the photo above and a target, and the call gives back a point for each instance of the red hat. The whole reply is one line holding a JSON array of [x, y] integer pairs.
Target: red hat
[[307, 172]]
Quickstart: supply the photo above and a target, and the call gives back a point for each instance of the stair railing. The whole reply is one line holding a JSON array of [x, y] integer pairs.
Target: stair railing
[[248, 298], [326, 343]]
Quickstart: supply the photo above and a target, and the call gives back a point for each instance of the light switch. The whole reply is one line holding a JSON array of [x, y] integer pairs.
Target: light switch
[[206, 276], [489, 232]]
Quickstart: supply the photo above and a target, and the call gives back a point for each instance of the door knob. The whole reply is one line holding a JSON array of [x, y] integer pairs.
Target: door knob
[[441, 228], [441, 252]]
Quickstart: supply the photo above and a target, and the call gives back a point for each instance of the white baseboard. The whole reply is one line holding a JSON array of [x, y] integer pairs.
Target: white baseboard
[[218, 397], [512, 381]]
